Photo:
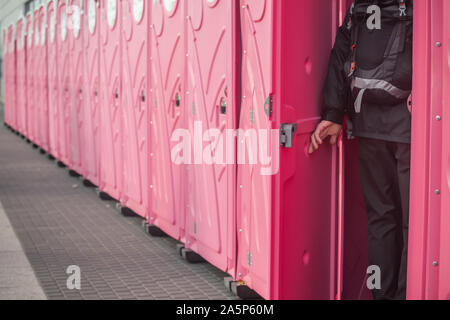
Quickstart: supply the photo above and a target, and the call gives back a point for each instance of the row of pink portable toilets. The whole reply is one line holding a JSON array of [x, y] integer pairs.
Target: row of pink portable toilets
[[109, 87]]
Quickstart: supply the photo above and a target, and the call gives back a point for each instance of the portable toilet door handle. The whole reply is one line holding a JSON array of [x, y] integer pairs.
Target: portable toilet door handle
[[287, 134]]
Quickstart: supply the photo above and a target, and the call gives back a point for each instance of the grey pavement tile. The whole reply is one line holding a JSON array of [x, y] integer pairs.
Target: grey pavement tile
[[59, 226]]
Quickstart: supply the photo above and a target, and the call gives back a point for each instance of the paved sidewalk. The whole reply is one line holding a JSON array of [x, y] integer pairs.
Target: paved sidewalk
[[60, 223], [17, 278]]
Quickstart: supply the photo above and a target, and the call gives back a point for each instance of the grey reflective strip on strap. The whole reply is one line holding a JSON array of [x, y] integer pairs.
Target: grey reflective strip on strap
[[365, 84]]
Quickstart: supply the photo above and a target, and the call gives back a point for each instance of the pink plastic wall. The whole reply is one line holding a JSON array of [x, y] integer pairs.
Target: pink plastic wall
[[91, 111], [167, 38], [42, 81], [429, 255], [37, 80], [6, 65], [288, 235], [12, 108], [110, 107], [53, 78], [21, 100], [64, 81], [135, 104], [31, 74], [77, 74], [211, 103]]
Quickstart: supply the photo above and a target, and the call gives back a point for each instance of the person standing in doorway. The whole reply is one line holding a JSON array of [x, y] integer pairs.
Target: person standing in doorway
[[371, 67]]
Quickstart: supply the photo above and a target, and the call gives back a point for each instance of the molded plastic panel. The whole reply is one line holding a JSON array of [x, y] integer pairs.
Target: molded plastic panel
[[21, 97], [31, 75], [64, 80], [53, 79], [135, 102], [110, 106], [91, 110], [286, 217], [77, 75], [210, 111], [167, 41], [429, 253], [42, 81]]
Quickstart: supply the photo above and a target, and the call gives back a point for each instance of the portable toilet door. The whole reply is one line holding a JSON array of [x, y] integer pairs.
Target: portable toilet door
[[37, 96], [429, 240], [6, 72], [12, 81], [91, 111], [53, 82], [21, 77], [43, 79], [64, 84], [7, 68], [76, 120], [286, 210], [211, 109], [30, 76], [111, 90], [134, 103], [166, 116]]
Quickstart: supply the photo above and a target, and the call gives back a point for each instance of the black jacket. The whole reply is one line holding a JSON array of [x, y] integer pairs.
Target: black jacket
[[381, 121]]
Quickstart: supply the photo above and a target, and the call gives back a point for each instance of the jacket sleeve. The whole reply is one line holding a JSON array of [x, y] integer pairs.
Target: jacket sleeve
[[336, 86]]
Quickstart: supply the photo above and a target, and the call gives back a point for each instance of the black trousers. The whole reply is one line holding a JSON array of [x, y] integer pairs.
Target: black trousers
[[385, 180]]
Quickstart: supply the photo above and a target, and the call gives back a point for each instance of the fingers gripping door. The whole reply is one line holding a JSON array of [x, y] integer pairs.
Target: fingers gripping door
[[167, 113]]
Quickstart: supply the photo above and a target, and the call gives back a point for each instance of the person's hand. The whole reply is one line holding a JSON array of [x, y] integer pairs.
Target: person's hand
[[324, 130]]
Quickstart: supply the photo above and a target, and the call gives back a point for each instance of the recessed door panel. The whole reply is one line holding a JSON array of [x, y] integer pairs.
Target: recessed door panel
[[135, 29], [53, 80], [91, 111], [254, 193], [167, 113], [110, 105], [64, 81], [75, 41], [211, 112]]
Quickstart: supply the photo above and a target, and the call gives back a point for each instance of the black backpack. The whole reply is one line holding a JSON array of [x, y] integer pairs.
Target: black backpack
[[390, 82]]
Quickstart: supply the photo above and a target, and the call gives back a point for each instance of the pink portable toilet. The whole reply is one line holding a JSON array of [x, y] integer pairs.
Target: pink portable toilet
[[290, 236], [110, 105], [135, 102], [91, 111], [37, 93], [53, 80], [76, 106], [166, 116], [210, 111], [30, 59], [12, 109], [6, 72], [42, 80], [21, 77], [65, 100], [429, 241], [7, 68]]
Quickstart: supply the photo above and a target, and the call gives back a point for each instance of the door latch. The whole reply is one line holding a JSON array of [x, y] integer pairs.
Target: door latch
[[287, 134]]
